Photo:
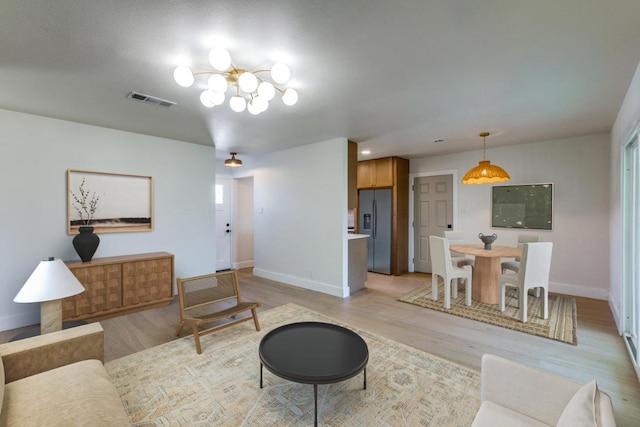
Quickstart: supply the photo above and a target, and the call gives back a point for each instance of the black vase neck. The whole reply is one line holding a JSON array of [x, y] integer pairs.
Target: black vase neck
[[86, 229]]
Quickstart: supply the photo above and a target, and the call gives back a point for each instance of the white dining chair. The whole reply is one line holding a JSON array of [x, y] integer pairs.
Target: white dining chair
[[441, 266], [533, 273], [522, 239], [457, 259], [514, 265]]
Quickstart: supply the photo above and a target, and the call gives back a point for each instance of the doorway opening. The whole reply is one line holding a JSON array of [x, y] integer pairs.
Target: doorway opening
[[234, 222]]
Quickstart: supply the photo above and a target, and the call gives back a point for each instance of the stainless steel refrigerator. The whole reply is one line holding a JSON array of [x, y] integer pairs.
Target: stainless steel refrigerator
[[376, 216]]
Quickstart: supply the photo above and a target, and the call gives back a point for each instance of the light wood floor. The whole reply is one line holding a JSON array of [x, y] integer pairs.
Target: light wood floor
[[600, 352]]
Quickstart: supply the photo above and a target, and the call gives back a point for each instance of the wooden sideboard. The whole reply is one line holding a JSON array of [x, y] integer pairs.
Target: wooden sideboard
[[119, 285]]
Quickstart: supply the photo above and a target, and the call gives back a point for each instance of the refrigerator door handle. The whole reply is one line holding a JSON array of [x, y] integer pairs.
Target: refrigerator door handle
[[375, 218]]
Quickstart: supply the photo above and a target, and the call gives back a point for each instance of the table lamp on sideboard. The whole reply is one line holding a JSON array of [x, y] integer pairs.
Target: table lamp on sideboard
[[49, 283]]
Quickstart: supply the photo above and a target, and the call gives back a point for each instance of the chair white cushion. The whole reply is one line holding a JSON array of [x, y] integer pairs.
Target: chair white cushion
[[494, 415], [461, 261], [510, 265], [581, 409]]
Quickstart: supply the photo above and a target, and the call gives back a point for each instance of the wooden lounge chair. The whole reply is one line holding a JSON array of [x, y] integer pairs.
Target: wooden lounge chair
[[205, 300]]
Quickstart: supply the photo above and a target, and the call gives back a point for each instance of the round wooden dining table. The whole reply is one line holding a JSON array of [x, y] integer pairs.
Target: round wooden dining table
[[487, 269]]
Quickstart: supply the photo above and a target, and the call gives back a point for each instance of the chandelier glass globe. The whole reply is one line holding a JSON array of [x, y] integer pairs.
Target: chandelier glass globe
[[253, 108], [280, 73], [237, 103], [290, 96], [183, 76], [217, 83], [266, 91], [219, 59], [261, 103], [248, 82], [217, 97], [205, 99], [210, 99]]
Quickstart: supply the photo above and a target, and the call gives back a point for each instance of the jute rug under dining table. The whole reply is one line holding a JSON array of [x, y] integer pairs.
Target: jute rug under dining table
[[560, 326], [172, 385]]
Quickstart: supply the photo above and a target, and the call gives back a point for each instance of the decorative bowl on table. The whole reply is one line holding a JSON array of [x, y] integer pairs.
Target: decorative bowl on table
[[487, 240]]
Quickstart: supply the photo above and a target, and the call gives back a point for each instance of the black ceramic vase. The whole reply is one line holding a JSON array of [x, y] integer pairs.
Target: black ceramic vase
[[86, 243], [487, 240]]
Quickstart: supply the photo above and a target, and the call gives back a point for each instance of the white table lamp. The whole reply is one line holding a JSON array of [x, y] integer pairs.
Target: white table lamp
[[49, 283]]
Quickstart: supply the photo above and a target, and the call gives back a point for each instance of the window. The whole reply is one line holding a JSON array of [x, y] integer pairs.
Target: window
[[219, 194]]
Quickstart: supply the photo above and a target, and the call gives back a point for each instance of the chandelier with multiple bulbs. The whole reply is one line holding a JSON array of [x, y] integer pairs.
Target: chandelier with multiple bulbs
[[251, 90]]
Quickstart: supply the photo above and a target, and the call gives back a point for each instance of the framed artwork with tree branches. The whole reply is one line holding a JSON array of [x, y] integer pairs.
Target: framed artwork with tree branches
[[110, 202]]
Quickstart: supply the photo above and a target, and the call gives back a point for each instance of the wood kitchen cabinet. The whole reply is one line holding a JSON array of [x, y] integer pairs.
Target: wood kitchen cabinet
[[376, 173], [393, 173], [119, 285]]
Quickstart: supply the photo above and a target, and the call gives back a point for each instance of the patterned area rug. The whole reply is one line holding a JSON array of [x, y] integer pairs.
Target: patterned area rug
[[171, 385], [560, 326]]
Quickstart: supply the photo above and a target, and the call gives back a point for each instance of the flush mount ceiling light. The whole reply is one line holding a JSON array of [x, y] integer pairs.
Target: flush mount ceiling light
[[233, 162], [250, 89], [485, 172]]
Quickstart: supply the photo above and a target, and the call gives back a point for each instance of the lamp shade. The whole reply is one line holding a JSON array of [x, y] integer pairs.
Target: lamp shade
[[51, 280], [485, 173]]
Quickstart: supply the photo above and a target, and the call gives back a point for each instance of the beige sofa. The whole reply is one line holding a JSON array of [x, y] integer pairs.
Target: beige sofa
[[516, 395], [58, 379]]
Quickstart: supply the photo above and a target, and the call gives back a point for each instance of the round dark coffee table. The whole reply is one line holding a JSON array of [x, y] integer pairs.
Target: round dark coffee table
[[314, 353]]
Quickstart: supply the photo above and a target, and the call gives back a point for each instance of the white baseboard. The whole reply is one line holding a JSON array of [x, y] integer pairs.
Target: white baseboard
[[579, 291], [616, 315], [19, 320], [325, 288]]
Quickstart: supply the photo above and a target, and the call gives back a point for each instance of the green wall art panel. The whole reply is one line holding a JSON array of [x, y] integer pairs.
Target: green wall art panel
[[527, 206]]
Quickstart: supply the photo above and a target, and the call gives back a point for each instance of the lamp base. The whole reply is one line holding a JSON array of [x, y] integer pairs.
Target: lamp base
[[50, 316]]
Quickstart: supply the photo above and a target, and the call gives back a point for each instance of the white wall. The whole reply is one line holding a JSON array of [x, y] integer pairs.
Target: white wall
[[579, 169], [35, 155], [300, 216], [627, 122]]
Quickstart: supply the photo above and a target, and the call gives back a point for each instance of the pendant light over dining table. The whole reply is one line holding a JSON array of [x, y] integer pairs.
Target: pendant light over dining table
[[485, 172]]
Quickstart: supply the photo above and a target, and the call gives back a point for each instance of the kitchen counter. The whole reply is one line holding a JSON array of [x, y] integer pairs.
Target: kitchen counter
[[357, 236], [357, 261]]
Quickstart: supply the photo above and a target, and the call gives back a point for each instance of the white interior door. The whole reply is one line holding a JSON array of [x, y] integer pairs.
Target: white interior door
[[223, 223], [433, 213]]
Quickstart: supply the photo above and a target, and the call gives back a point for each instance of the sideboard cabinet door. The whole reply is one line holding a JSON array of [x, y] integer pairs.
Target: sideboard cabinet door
[[119, 285]]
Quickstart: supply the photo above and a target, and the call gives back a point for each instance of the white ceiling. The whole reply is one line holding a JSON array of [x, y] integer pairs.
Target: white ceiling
[[390, 75]]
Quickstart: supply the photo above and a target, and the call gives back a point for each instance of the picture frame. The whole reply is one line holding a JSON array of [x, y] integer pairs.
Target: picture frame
[[108, 201], [525, 206]]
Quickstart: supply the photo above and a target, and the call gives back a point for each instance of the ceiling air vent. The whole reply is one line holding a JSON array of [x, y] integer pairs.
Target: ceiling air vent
[[150, 99]]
